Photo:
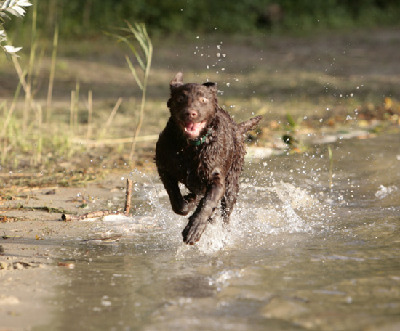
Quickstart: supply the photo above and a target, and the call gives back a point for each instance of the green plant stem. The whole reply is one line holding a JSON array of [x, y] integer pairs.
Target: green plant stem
[[90, 114], [52, 74], [10, 111], [140, 33], [28, 87], [142, 105], [72, 112], [111, 117]]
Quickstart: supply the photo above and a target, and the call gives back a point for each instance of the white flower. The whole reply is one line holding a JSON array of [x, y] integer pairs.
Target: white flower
[[15, 7], [12, 49], [24, 3]]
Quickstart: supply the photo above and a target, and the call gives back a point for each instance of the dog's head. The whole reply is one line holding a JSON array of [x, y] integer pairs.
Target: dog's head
[[192, 106]]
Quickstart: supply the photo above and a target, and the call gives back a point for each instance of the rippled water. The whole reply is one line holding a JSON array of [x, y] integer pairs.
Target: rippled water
[[298, 254]]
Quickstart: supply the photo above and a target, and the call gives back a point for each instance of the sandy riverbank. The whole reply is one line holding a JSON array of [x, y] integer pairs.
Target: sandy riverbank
[[32, 241]]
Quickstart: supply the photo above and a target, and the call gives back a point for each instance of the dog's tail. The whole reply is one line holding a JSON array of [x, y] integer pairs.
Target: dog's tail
[[249, 124]]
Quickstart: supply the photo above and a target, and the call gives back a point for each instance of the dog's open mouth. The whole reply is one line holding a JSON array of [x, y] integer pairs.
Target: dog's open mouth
[[193, 130]]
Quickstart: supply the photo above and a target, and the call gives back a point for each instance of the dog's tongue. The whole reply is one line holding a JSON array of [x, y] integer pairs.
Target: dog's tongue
[[190, 126], [192, 130]]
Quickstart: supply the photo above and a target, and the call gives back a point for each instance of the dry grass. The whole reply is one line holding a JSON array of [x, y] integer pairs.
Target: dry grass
[[85, 125]]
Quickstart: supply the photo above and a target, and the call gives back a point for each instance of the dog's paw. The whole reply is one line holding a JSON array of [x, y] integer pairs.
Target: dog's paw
[[193, 231], [185, 205], [191, 201], [181, 208]]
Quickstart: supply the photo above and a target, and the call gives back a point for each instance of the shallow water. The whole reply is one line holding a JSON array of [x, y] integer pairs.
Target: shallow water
[[298, 254]]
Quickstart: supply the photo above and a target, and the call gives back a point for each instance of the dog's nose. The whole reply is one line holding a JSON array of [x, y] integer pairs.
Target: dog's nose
[[191, 114]]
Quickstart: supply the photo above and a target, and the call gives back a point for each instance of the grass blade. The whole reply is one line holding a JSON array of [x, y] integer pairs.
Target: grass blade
[[133, 71]]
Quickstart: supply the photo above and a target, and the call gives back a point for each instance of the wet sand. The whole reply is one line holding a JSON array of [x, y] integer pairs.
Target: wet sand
[[32, 241]]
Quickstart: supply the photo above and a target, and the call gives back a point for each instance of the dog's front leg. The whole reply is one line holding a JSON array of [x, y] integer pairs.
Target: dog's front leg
[[180, 205], [199, 220]]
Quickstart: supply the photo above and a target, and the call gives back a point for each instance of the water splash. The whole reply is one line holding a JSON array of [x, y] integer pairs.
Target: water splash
[[260, 213], [286, 209], [384, 191]]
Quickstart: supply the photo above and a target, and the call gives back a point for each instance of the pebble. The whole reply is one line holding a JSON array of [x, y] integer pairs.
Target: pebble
[[18, 266], [8, 300]]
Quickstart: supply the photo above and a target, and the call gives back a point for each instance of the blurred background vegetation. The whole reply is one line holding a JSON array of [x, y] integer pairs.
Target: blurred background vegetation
[[69, 104], [77, 18]]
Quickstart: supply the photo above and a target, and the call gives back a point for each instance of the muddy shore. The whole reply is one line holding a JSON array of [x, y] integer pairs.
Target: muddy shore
[[32, 241]]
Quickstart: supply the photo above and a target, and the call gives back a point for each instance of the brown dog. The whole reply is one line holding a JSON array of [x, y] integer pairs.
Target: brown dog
[[203, 148]]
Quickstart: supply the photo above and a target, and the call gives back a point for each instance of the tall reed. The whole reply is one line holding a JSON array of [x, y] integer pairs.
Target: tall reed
[[90, 114], [30, 69], [52, 75], [141, 71]]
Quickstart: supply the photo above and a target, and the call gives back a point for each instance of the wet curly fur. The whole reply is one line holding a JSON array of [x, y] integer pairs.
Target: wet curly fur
[[203, 148]]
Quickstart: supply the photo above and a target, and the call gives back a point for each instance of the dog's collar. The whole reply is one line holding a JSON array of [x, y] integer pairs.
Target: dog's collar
[[200, 140]]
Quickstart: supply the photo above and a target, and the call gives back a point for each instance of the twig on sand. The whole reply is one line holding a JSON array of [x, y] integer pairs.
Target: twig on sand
[[93, 214], [102, 213]]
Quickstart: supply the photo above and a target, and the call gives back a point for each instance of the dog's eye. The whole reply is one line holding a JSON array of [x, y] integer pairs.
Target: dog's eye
[[203, 100], [181, 99]]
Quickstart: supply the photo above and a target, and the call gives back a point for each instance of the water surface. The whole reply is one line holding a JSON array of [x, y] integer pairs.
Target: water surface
[[298, 255]]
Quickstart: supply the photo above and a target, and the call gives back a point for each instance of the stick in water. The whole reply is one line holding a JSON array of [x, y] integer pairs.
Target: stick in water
[[129, 185]]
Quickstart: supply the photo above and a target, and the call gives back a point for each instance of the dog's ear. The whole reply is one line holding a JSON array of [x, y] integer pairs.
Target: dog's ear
[[211, 86], [177, 81]]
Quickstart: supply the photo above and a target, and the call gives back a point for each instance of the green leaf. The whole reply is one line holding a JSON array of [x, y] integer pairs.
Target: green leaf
[[133, 71], [291, 121]]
